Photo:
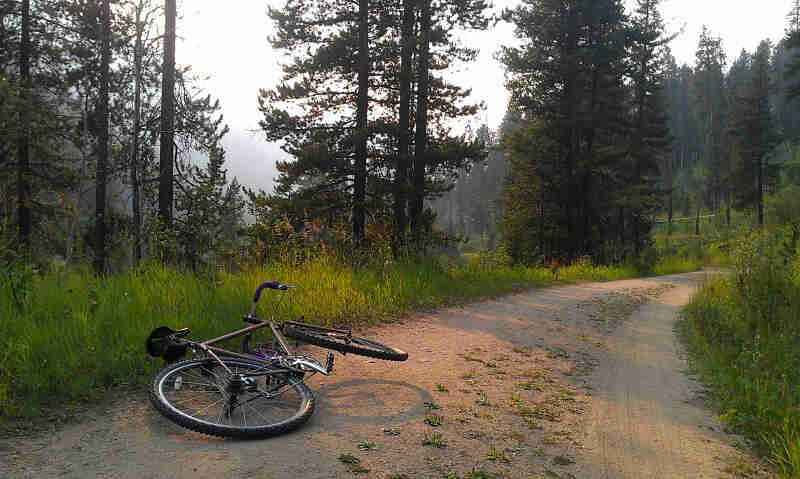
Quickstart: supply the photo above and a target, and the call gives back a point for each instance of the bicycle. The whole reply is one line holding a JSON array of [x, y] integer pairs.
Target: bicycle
[[257, 392]]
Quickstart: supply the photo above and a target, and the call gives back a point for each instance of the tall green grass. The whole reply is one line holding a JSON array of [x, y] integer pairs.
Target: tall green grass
[[76, 336], [743, 332]]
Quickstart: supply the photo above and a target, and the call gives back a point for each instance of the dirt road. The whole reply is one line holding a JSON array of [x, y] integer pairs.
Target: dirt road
[[581, 381]]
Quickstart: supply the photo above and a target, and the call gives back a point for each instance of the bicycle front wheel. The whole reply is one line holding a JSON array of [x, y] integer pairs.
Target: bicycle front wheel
[[332, 339], [250, 401]]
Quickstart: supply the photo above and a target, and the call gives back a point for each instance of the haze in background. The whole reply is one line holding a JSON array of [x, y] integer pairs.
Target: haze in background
[[228, 42]]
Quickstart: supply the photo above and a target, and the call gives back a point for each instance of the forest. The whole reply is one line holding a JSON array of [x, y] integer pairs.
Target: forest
[[606, 135], [612, 161]]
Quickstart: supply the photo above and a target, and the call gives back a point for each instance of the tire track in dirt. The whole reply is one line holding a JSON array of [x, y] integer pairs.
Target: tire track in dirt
[[572, 381]]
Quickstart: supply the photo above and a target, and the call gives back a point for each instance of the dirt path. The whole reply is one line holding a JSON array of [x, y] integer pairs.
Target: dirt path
[[576, 381]]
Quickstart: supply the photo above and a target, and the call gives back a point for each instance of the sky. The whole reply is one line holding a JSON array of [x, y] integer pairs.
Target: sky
[[227, 41]]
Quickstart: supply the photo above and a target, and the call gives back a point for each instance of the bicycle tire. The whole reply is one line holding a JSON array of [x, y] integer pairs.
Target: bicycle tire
[[187, 407], [343, 343]]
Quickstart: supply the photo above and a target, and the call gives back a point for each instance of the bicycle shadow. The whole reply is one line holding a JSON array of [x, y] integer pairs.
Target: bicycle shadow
[[371, 401]]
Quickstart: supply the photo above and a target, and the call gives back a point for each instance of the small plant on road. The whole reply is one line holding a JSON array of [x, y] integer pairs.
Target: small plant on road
[[480, 474], [431, 405], [434, 440], [493, 454], [353, 463], [367, 446], [391, 431], [441, 388], [433, 420]]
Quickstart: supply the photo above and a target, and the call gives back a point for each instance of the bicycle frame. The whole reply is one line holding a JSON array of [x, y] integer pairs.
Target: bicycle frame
[[206, 347]]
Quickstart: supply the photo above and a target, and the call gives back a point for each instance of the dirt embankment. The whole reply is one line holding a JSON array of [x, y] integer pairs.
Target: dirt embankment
[[580, 381]]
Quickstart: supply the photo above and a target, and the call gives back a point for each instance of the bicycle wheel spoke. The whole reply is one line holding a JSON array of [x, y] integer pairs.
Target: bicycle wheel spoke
[[232, 405]]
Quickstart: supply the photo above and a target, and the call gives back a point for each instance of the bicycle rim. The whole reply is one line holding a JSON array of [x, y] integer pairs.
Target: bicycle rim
[[344, 343], [198, 394]]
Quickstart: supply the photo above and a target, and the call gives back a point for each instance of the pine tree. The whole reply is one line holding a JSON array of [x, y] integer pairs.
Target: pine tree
[[166, 166], [754, 131], [208, 209], [710, 113], [649, 135], [102, 140], [569, 73], [315, 111]]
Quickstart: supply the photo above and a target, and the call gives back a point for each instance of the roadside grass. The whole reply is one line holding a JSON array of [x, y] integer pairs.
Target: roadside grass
[[742, 333], [76, 337]]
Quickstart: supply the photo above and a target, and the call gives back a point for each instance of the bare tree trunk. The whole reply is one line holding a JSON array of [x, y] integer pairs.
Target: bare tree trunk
[[760, 192], [137, 104], [76, 204], [671, 182], [421, 138], [165, 187], [697, 218], [23, 154], [401, 178], [360, 173], [102, 145]]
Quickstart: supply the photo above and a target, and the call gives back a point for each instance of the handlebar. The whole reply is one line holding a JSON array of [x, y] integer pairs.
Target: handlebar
[[270, 285], [267, 284]]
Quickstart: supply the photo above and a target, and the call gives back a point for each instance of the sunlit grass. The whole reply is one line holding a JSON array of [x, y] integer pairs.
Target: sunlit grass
[[743, 336], [78, 335]]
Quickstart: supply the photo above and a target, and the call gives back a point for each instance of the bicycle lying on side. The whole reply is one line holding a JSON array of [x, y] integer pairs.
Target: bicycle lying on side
[[257, 392]]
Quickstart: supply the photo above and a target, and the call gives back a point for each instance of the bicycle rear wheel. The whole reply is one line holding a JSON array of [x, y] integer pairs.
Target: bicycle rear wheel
[[253, 402], [345, 343]]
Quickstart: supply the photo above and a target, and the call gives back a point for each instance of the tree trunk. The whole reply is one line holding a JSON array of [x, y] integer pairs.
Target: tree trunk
[[23, 155], [360, 173], [137, 101], [671, 183], [697, 219], [102, 145], [401, 176], [165, 187], [421, 138], [760, 192]]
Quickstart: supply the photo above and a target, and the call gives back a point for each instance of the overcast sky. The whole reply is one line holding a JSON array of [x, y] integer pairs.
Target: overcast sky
[[228, 41]]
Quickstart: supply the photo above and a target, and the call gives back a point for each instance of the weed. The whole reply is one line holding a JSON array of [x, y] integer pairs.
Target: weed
[[441, 388], [391, 431], [529, 386], [516, 435], [353, 463], [539, 412], [534, 374], [469, 375], [490, 364], [431, 405], [480, 474], [349, 459], [399, 476], [434, 440], [493, 454], [469, 357], [524, 350], [531, 423], [473, 434], [482, 399], [434, 420], [367, 446], [563, 461]]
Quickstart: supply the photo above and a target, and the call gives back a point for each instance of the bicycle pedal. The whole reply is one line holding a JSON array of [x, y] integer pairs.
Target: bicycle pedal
[[329, 363]]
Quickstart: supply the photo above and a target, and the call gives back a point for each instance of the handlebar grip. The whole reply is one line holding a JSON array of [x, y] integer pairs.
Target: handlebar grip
[[270, 285]]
